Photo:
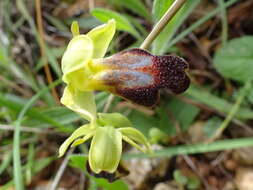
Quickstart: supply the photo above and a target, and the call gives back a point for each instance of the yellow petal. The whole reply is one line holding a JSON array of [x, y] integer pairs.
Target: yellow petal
[[105, 151], [75, 28], [101, 37], [77, 56], [81, 131], [81, 102]]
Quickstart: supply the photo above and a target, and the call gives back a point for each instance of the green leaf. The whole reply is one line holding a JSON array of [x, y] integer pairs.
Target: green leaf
[[101, 37], [156, 135], [235, 59], [121, 22], [80, 102], [250, 96], [164, 123], [137, 7], [193, 183], [217, 103], [159, 8], [60, 114], [117, 185], [77, 161], [113, 119], [181, 112], [32, 113], [139, 27], [211, 126], [142, 121], [179, 177], [80, 132]]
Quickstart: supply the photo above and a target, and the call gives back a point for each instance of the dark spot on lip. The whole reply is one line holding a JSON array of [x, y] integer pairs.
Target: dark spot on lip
[[121, 171], [146, 96], [111, 177]]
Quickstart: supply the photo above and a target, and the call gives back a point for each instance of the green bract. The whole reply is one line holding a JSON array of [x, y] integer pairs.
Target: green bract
[[107, 130]]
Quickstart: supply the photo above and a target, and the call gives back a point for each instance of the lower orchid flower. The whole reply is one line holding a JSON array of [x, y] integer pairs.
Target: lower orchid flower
[[106, 144]]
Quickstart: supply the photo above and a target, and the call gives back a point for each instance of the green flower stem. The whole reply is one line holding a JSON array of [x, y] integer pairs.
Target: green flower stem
[[162, 23], [233, 111], [224, 32]]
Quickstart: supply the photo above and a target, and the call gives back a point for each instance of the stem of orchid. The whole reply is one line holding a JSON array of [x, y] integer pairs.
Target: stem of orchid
[[162, 23]]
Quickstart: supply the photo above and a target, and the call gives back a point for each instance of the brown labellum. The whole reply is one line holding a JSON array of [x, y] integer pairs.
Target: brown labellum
[[138, 75]]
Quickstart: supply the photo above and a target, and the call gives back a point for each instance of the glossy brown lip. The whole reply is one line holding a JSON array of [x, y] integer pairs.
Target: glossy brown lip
[[137, 75]]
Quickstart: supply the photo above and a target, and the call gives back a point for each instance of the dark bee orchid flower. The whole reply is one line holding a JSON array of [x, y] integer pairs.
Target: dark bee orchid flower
[[85, 70], [137, 75]]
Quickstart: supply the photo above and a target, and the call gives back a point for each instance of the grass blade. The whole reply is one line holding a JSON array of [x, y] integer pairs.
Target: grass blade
[[217, 103], [160, 6], [121, 21], [137, 7], [196, 148], [199, 22], [33, 113], [18, 175]]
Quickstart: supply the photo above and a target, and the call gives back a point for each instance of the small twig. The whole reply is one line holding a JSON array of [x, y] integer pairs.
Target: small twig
[[23, 129], [82, 181], [162, 23], [61, 170], [91, 4], [191, 164], [222, 156], [43, 50], [224, 32], [27, 129], [15, 86], [108, 103]]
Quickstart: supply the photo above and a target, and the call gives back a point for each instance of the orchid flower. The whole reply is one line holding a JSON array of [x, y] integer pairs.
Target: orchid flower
[[134, 75], [81, 71]]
